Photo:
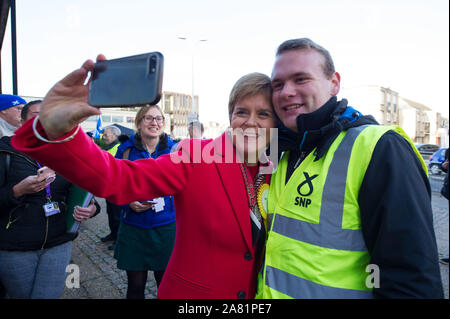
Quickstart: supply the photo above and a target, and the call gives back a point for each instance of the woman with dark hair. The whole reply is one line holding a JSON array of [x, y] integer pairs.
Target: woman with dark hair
[[29, 110], [147, 231]]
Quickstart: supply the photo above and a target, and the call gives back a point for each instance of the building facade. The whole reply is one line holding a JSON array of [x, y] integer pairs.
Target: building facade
[[416, 121], [178, 107], [420, 122], [175, 106], [382, 103]]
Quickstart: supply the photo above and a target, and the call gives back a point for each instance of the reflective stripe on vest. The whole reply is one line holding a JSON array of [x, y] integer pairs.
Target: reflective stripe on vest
[[331, 209], [297, 287]]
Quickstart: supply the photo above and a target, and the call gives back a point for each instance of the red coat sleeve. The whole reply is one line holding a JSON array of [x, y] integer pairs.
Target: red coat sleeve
[[83, 163]]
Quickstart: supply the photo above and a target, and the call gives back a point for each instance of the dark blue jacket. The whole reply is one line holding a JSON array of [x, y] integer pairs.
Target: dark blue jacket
[[148, 218]]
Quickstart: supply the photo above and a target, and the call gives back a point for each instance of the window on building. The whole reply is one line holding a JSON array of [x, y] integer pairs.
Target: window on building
[[388, 102], [167, 103], [106, 118], [130, 119], [117, 119], [92, 118]]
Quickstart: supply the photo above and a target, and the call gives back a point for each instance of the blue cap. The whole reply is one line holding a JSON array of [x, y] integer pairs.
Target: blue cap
[[9, 100]]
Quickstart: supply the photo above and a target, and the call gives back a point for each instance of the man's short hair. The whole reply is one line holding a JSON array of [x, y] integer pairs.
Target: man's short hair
[[308, 44], [196, 124], [114, 129]]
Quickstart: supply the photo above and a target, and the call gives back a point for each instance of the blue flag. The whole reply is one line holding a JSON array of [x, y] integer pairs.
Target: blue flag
[[98, 129]]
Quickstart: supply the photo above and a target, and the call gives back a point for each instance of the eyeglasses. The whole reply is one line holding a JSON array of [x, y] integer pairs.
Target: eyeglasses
[[149, 119]]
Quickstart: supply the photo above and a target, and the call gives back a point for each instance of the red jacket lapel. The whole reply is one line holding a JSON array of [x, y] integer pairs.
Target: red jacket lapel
[[233, 183]]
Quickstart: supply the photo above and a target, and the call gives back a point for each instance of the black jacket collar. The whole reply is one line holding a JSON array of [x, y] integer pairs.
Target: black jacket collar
[[319, 128]]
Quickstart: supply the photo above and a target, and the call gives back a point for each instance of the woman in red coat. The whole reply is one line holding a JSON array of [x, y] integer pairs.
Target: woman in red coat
[[220, 235]]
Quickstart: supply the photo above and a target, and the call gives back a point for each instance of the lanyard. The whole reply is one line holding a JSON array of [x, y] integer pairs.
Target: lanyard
[[256, 220], [48, 194], [249, 185]]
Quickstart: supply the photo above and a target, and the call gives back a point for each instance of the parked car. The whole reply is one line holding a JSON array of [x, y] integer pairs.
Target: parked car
[[436, 160], [426, 150]]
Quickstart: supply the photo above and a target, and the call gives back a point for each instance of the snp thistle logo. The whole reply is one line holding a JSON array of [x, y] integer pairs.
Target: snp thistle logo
[[305, 189]]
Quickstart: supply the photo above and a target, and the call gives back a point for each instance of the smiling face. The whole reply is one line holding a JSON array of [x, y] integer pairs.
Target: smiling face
[[300, 85], [152, 123], [251, 120]]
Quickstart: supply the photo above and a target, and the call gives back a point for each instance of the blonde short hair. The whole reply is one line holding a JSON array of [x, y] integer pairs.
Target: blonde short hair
[[249, 85]]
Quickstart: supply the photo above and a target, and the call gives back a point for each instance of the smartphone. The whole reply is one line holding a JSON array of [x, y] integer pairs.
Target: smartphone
[[148, 201], [48, 173], [129, 81]]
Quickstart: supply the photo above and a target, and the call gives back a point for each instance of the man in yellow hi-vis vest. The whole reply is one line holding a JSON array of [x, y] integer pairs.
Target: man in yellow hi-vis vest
[[349, 205]]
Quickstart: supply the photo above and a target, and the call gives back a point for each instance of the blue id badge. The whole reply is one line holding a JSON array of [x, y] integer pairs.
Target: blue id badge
[[51, 208]]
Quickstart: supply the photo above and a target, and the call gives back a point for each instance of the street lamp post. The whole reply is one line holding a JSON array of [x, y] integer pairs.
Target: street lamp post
[[193, 116]]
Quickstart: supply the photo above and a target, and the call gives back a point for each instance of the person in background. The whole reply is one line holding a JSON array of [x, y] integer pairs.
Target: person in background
[[111, 137], [34, 245], [10, 108], [215, 182], [147, 230], [444, 167], [445, 189], [350, 200], [196, 129]]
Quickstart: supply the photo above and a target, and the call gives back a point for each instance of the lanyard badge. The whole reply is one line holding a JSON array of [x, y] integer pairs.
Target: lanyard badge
[[51, 208]]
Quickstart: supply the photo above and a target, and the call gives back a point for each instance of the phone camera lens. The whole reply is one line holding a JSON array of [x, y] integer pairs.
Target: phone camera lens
[[152, 66]]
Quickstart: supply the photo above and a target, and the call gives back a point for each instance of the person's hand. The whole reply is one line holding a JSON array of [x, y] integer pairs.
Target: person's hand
[[29, 185], [84, 213], [66, 104], [139, 207]]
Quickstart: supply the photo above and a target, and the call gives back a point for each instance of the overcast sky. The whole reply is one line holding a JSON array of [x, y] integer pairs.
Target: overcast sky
[[401, 44]]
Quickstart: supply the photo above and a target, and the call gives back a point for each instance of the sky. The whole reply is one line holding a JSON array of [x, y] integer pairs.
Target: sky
[[400, 44]]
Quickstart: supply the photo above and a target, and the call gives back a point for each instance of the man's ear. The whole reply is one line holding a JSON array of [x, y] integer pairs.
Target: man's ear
[[335, 83]]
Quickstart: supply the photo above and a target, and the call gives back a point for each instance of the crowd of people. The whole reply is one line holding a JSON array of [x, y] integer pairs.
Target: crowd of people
[[213, 218], [35, 247]]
